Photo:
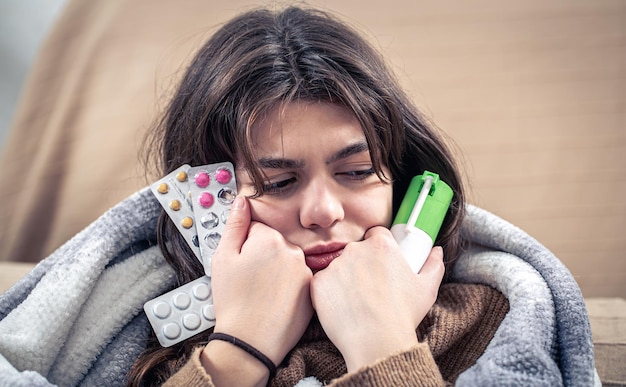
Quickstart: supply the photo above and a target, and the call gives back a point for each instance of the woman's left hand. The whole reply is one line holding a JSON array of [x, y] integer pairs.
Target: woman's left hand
[[368, 300]]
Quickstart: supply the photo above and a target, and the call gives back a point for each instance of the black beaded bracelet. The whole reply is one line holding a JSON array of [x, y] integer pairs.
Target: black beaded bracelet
[[248, 348]]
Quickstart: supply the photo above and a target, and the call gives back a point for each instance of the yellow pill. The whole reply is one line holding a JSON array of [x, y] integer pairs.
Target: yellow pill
[[163, 188], [182, 176], [175, 205], [187, 222]]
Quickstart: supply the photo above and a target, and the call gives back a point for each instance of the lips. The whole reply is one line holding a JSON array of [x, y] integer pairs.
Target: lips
[[319, 257]]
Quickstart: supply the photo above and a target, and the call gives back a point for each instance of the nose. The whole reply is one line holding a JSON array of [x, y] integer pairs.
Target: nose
[[322, 205]]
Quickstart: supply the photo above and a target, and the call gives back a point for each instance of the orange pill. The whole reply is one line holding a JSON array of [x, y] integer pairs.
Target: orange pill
[[187, 222], [163, 188], [175, 205], [182, 176]]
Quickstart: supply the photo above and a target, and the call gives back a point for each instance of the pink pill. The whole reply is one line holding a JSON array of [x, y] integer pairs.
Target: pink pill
[[202, 179], [206, 200], [223, 176]]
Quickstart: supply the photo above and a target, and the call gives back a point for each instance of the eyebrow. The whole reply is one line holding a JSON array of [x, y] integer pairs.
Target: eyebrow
[[348, 151], [281, 163]]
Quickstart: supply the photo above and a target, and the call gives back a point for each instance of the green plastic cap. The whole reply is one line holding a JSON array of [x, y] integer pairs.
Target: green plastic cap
[[435, 207]]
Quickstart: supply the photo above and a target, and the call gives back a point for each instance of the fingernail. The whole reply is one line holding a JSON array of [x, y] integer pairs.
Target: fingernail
[[238, 203]]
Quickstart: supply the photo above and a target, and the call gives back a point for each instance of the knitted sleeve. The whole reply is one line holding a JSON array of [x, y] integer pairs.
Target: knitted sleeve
[[415, 367], [191, 374]]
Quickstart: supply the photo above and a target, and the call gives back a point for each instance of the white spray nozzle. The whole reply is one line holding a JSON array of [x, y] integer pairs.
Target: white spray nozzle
[[421, 199]]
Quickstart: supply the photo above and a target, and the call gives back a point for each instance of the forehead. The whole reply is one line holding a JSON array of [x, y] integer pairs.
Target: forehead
[[304, 122]]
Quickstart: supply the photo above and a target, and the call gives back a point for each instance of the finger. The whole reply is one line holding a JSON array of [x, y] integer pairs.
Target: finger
[[374, 231], [236, 230], [434, 264]]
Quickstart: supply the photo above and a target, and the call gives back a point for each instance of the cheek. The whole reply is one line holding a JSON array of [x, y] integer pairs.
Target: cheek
[[274, 214], [373, 209]]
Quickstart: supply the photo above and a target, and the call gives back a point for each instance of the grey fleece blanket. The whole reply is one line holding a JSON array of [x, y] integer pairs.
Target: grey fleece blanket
[[77, 319]]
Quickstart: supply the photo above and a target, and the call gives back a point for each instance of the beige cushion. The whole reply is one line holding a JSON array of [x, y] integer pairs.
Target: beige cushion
[[608, 326]]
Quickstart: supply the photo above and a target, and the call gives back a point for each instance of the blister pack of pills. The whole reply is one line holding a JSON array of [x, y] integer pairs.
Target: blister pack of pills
[[213, 190], [198, 200], [173, 194], [182, 312]]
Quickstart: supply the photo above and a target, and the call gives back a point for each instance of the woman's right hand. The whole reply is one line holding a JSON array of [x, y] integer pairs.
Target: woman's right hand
[[370, 302], [260, 286]]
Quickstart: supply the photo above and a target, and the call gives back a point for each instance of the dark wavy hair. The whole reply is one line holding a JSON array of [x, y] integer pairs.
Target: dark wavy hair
[[257, 61]]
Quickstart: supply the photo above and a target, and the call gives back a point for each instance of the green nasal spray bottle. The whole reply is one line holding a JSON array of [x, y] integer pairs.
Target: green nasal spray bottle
[[420, 216]]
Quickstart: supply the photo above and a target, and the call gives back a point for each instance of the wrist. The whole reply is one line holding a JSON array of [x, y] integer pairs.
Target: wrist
[[259, 337], [373, 349], [249, 349], [228, 364]]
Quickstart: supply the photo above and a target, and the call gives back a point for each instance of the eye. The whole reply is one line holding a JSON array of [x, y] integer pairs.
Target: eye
[[278, 187], [359, 174]]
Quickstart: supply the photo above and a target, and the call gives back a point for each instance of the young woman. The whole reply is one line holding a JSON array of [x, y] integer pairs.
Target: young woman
[[325, 143]]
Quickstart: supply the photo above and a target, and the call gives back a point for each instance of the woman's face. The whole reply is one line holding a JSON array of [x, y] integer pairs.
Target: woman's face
[[321, 190]]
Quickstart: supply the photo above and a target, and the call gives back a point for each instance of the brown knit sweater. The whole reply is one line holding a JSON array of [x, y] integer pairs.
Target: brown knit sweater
[[453, 335]]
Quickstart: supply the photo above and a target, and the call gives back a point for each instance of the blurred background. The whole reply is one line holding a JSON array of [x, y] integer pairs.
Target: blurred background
[[532, 94], [23, 26]]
